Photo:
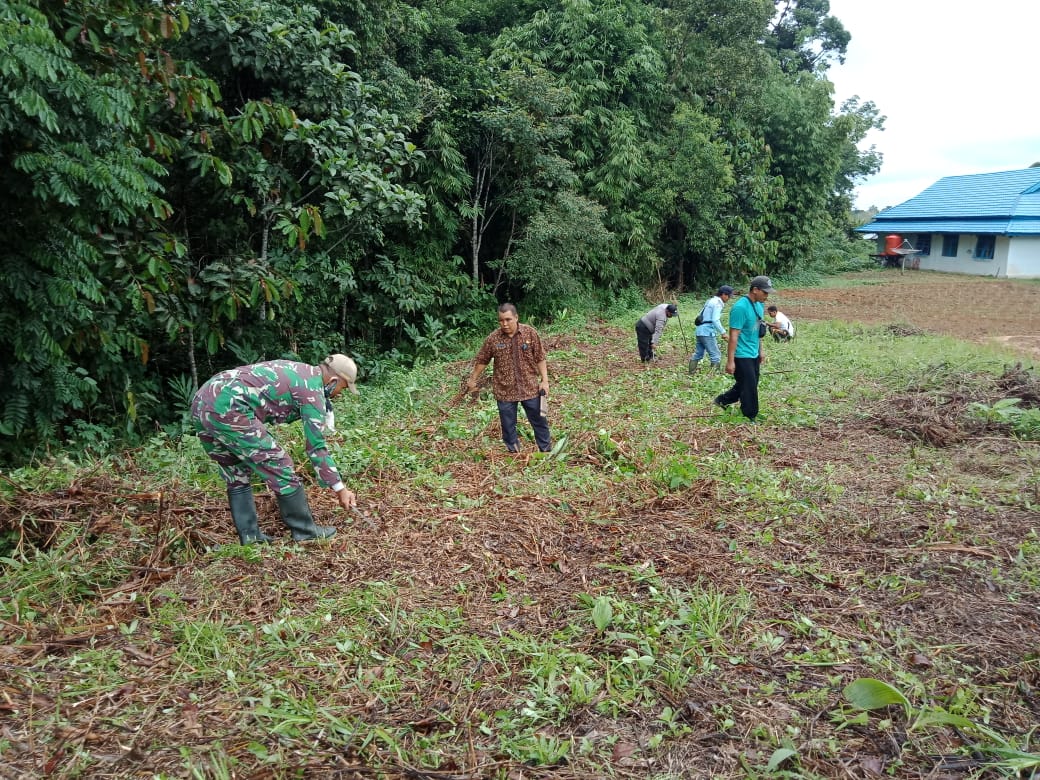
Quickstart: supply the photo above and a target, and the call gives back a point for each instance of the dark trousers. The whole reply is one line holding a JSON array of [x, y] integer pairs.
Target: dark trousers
[[745, 387], [643, 336], [532, 408]]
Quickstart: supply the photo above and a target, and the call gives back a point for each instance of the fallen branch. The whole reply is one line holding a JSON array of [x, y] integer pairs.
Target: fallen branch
[[465, 392]]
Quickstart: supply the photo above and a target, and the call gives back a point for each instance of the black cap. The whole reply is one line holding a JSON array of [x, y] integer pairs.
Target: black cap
[[725, 290], [763, 283], [671, 308]]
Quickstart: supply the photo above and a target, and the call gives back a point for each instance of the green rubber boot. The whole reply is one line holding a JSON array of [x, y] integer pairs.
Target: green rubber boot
[[296, 514], [243, 512]]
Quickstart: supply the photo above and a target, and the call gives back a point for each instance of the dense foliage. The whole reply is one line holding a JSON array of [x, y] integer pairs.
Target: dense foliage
[[190, 185]]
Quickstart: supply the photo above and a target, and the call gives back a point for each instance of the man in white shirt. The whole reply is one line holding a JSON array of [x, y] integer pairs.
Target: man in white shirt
[[781, 326]]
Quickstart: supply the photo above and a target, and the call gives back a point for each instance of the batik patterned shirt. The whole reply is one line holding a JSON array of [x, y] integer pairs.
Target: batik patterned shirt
[[515, 374]]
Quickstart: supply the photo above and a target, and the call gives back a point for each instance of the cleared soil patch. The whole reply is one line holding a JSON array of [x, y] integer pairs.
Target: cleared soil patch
[[975, 309]]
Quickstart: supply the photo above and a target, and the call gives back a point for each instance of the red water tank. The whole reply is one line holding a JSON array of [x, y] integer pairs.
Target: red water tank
[[892, 243]]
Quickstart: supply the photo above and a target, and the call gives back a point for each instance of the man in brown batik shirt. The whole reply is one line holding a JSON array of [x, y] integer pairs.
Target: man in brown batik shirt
[[519, 376]]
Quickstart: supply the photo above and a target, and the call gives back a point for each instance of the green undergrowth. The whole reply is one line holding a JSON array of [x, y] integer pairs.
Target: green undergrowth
[[691, 596]]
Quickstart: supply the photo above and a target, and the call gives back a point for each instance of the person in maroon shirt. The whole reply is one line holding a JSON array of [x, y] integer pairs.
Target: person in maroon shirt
[[520, 376]]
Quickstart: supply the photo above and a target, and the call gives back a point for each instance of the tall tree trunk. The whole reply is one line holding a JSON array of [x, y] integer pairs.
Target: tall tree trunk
[[681, 277], [191, 358], [505, 257], [477, 233], [343, 318], [481, 214]]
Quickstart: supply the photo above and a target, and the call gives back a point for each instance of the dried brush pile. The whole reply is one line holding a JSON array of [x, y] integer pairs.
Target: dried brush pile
[[936, 409]]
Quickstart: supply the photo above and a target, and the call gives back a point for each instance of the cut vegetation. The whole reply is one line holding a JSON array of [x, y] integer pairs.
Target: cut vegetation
[[847, 589]]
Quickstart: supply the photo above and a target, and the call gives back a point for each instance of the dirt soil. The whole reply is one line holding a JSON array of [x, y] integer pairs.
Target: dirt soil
[[879, 509], [981, 309]]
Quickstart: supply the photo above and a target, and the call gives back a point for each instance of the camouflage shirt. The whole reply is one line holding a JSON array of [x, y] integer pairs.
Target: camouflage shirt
[[515, 373], [277, 391]]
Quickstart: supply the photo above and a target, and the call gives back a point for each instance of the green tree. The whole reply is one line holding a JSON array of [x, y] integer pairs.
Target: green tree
[[806, 149], [718, 66], [515, 164], [299, 179], [83, 90], [854, 121], [805, 37], [714, 52], [554, 257], [692, 188], [606, 57], [758, 196]]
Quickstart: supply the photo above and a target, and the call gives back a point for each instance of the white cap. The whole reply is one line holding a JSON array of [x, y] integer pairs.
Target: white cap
[[344, 368]]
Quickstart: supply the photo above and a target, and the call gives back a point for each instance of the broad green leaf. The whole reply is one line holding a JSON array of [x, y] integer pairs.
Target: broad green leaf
[[867, 693], [602, 613], [780, 755]]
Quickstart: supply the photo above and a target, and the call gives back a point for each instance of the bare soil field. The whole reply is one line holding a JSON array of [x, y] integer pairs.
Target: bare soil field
[[976, 309]]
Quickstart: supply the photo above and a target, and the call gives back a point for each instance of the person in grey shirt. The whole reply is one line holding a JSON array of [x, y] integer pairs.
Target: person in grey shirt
[[650, 327], [710, 328]]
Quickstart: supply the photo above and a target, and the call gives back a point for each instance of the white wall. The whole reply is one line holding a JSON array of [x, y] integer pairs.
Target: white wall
[[1023, 260], [1014, 257], [965, 262]]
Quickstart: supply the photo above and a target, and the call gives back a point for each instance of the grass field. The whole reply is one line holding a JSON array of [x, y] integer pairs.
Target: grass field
[[846, 589]]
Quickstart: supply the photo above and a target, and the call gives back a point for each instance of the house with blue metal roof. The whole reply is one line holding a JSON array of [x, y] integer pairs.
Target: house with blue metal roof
[[984, 223]]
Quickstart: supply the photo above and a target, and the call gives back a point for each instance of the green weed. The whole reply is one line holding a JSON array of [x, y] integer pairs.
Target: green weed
[[1007, 754], [689, 582]]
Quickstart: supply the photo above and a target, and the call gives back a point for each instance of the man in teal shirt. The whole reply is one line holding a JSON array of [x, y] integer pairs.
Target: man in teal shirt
[[745, 356]]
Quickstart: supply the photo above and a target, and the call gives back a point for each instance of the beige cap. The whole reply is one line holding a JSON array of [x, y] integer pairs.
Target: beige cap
[[344, 368]]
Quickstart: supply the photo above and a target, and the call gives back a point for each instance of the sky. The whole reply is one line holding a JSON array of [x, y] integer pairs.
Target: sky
[[956, 81]]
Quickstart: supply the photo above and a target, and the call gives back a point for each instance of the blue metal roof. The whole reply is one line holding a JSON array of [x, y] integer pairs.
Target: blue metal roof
[[1028, 205], [1006, 203]]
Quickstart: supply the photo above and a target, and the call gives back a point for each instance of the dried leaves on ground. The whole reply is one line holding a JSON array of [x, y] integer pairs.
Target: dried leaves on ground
[[875, 551]]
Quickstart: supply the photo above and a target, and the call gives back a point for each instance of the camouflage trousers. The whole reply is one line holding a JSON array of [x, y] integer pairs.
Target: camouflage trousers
[[241, 446]]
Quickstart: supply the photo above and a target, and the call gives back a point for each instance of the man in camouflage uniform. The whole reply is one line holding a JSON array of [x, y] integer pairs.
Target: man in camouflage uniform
[[519, 376], [230, 412]]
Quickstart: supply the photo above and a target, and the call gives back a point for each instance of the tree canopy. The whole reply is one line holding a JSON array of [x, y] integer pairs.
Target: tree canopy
[[190, 185]]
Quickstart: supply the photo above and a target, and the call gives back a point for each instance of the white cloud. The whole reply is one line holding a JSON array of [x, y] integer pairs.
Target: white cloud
[[954, 79]]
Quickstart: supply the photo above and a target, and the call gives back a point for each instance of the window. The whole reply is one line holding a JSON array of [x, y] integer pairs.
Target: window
[[984, 246], [950, 246], [923, 241]]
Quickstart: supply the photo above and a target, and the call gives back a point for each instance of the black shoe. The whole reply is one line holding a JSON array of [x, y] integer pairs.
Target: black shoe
[[719, 403]]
